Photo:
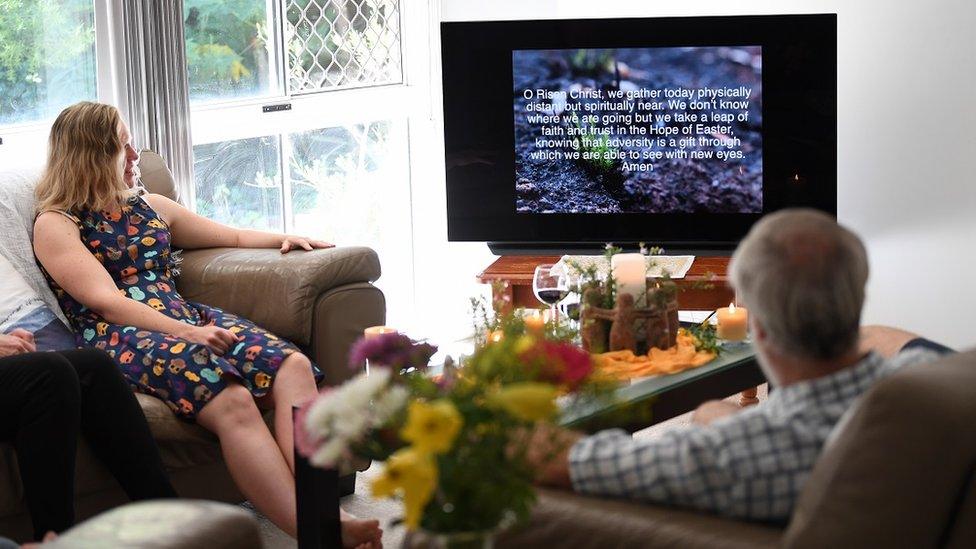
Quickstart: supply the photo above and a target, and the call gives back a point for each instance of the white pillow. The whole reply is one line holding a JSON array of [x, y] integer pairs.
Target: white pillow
[[21, 307], [18, 301], [17, 228]]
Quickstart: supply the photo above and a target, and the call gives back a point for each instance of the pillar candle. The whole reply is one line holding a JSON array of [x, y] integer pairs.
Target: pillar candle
[[733, 322], [630, 273]]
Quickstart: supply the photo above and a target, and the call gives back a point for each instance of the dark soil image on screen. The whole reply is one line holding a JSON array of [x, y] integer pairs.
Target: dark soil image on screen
[[698, 181]]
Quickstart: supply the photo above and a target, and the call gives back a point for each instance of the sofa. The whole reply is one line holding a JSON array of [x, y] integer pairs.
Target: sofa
[[321, 300], [899, 471]]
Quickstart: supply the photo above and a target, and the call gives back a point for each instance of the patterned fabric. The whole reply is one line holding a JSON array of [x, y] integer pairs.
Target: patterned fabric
[[134, 247], [751, 465]]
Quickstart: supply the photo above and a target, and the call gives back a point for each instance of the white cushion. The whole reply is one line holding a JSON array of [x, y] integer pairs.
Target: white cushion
[[17, 228]]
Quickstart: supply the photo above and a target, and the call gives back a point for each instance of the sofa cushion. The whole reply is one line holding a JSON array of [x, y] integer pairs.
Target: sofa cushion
[[896, 472], [155, 175], [186, 524], [17, 227], [21, 307]]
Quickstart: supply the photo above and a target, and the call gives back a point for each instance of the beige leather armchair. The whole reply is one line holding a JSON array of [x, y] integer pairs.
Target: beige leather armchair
[[900, 473], [320, 300]]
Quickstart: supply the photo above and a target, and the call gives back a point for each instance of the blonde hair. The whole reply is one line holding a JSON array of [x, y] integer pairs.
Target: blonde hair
[[85, 161]]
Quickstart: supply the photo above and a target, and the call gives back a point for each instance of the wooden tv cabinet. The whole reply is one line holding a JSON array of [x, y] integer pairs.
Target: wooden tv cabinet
[[511, 277]]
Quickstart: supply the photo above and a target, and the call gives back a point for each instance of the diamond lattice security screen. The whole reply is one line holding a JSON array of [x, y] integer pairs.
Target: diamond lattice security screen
[[342, 44]]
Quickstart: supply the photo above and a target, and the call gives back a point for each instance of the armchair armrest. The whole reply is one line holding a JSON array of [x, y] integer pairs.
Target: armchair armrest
[[277, 291], [560, 518]]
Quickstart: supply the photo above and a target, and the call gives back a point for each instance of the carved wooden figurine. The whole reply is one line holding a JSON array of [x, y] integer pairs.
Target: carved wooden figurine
[[627, 326], [622, 330]]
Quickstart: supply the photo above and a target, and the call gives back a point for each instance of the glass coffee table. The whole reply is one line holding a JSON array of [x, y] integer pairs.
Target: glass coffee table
[[643, 402]]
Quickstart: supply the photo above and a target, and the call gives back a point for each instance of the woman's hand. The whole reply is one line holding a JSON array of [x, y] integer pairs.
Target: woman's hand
[[17, 342], [217, 339], [296, 242]]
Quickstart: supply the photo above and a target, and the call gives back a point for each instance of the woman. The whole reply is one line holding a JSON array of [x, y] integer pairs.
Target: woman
[[106, 251], [46, 400]]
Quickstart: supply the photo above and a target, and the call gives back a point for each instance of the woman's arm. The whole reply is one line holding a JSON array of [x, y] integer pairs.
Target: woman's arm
[[192, 231], [62, 253]]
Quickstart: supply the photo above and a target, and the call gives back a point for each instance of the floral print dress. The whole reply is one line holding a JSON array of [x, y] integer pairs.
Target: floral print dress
[[134, 247]]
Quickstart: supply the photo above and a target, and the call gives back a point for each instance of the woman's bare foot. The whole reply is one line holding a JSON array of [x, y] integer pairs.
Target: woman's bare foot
[[361, 533]]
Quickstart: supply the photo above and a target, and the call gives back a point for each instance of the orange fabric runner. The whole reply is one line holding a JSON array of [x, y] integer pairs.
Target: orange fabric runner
[[626, 365]]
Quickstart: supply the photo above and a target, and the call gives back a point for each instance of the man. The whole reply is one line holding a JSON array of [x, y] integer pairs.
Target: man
[[46, 400], [802, 277]]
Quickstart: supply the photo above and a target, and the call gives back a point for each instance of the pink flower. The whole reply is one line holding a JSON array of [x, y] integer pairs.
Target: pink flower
[[397, 351], [561, 363], [306, 443]]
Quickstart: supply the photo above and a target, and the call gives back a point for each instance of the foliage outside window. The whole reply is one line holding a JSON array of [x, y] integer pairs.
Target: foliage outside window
[[47, 57], [231, 46]]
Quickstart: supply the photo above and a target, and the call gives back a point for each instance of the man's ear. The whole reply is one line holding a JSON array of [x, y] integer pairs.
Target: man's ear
[[756, 329]]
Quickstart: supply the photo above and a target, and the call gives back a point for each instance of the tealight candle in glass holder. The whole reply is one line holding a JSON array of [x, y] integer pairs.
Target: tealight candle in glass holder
[[733, 323]]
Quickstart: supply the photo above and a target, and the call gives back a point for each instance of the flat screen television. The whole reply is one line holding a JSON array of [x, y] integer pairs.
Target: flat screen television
[[678, 131]]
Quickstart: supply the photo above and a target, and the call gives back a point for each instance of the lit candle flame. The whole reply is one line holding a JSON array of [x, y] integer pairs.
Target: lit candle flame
[[732, 308]]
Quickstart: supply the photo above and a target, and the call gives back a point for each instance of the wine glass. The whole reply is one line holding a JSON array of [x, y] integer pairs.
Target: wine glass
[[550, 287]]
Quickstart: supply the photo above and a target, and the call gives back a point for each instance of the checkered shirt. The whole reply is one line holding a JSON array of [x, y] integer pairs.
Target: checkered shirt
[[750, 465]]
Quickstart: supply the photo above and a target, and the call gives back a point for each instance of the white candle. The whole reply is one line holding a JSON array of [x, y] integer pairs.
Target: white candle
[[630, 273], [733, 322]]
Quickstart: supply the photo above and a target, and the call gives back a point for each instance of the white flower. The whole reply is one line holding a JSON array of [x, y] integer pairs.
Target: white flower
[[388, 404], [329, 453], [345, 415], [350, 426]]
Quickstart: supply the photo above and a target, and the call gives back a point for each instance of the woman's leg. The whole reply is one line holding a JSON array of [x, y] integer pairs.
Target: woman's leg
[[293, 385], [260, 470], [40, 401], [115, 427], [252, 455]]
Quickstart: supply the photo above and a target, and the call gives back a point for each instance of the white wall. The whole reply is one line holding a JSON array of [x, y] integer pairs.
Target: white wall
[[906, 142]]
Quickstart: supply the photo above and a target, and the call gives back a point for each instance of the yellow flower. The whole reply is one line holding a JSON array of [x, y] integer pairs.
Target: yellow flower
[[411, 474], [523, 344], [528, 401], [432, 427]]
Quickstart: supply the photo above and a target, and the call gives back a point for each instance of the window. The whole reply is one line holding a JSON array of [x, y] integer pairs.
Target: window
[[47, 58], [53, 53], [342, 43], [230, 49], [299, 124]]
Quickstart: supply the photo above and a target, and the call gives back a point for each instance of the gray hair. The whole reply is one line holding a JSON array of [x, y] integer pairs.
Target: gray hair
[[803, 275]]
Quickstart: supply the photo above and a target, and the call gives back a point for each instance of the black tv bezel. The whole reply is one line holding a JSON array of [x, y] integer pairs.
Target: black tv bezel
[[799, 125]]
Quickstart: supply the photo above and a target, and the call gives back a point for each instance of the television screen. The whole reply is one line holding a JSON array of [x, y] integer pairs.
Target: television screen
[[673, 131], [638, 130]]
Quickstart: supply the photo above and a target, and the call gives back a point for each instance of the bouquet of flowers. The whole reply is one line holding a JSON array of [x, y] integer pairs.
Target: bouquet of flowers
[[454, 445]]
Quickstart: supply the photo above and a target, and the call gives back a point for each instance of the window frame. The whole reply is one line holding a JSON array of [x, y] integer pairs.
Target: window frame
[[215, 121]]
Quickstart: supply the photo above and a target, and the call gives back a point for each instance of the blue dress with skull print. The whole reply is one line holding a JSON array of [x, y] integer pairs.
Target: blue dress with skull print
[[134, 247]]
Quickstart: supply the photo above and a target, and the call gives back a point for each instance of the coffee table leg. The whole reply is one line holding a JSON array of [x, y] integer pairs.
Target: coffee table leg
[[749, 397]]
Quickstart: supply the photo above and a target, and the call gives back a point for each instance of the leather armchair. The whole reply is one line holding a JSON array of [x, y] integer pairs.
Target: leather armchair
[[320, 300], [900, 471]]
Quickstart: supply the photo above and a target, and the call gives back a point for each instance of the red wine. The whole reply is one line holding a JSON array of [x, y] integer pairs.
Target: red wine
[[551, 295]]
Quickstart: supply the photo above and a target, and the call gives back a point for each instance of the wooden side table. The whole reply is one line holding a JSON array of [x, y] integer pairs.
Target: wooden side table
[[511, 277]]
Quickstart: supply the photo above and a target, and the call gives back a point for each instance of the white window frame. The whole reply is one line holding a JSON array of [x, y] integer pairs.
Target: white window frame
[[216, 121]]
